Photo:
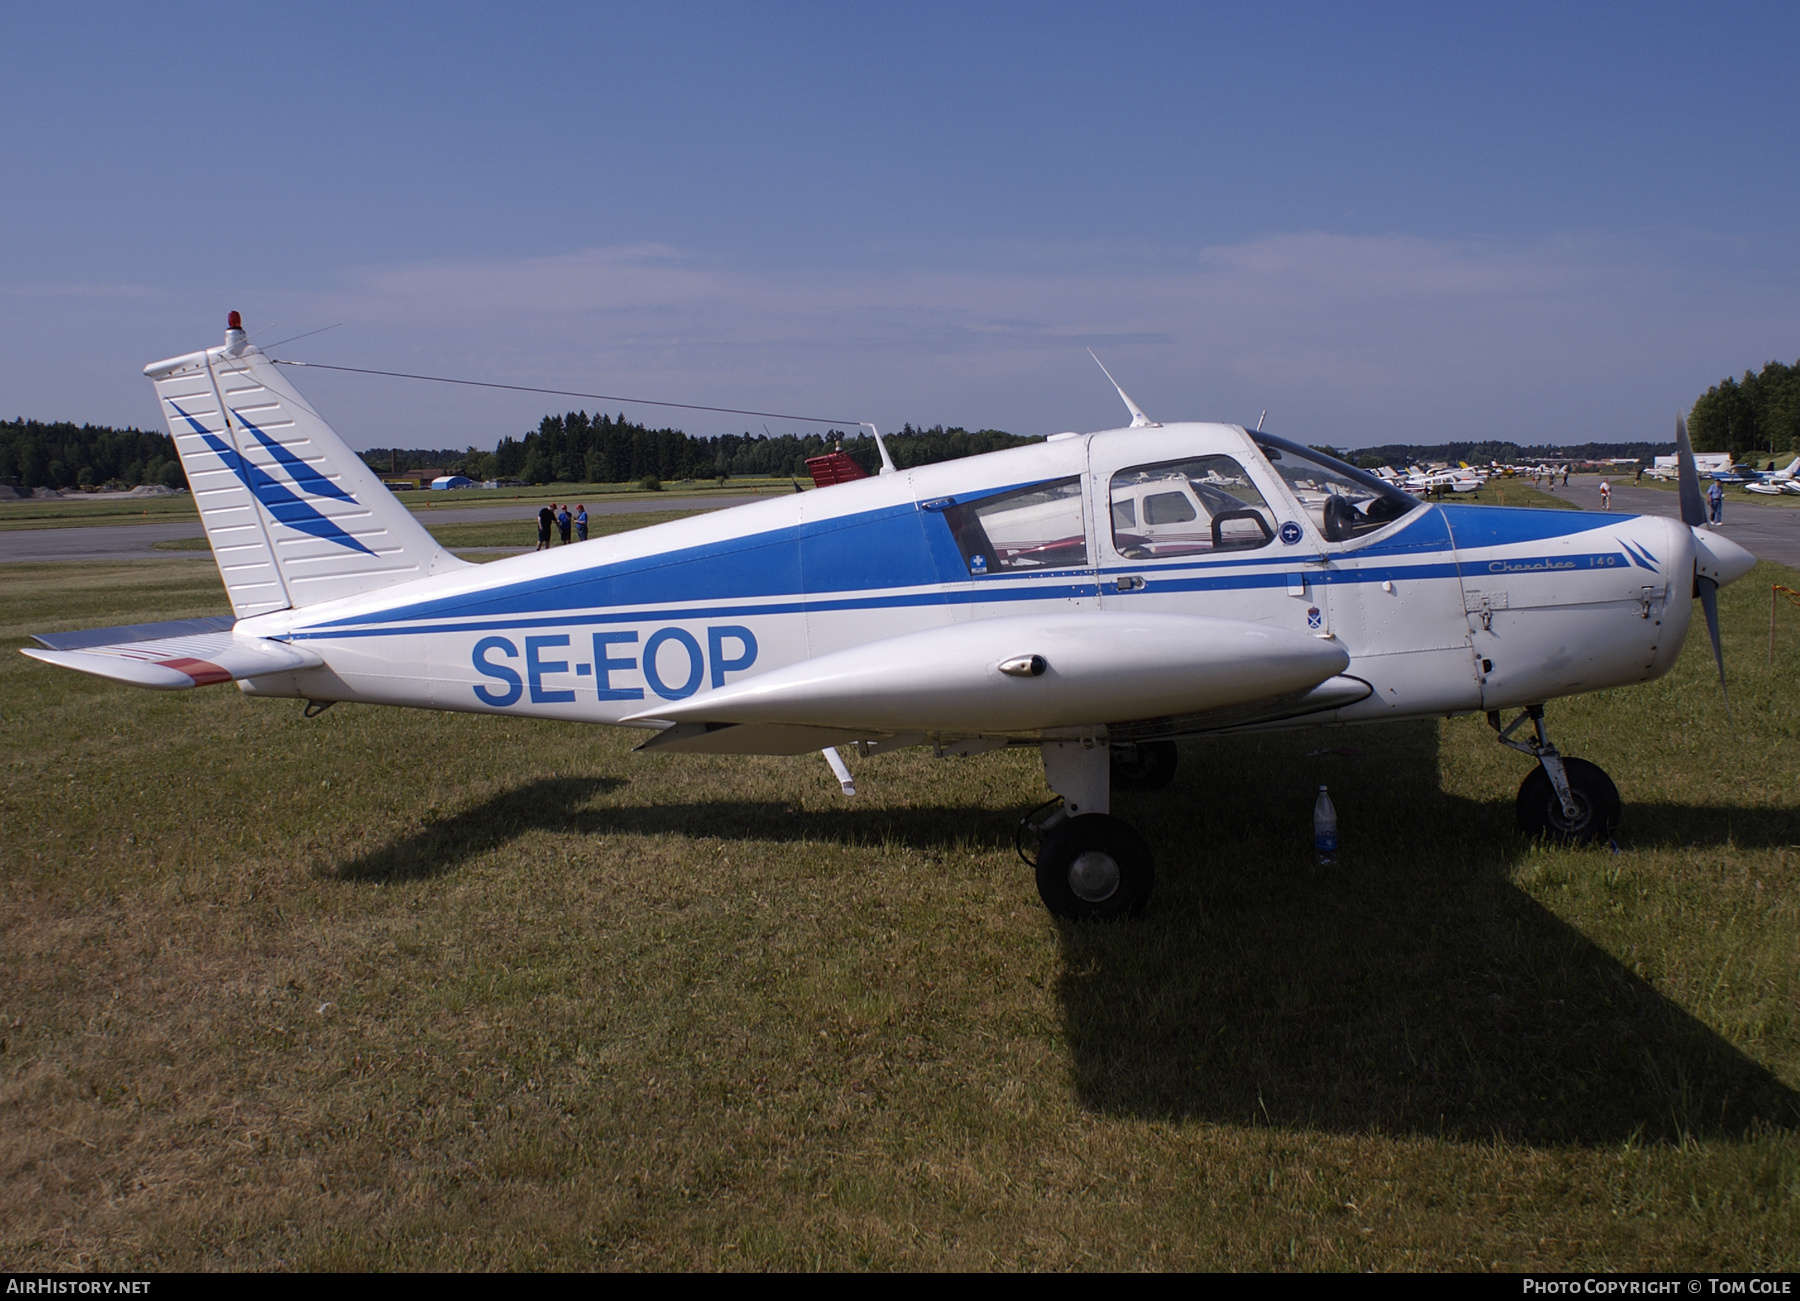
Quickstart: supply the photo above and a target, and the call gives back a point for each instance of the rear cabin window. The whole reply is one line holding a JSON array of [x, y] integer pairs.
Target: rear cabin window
[[1178, 508], [1041, 527]]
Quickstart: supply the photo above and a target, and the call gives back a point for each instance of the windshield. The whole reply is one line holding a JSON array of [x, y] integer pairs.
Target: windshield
[[1343, 501]]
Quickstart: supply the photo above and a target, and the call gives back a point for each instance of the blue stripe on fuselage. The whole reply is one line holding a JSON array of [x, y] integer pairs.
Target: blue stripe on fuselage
[[876, 550], [901, 556], [992, 593]]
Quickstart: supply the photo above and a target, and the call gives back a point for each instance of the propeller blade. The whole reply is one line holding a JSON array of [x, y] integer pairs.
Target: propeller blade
[[1693, 510], [1709, 601]]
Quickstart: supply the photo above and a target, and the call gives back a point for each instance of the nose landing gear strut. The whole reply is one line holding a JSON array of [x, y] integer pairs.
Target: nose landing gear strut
[[1563, 798]]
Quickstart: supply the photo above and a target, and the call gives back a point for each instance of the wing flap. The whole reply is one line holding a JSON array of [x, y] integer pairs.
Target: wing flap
[[747, 738]]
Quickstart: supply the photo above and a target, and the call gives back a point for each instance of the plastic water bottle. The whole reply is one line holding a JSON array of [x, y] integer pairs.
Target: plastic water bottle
[[1325, 833]]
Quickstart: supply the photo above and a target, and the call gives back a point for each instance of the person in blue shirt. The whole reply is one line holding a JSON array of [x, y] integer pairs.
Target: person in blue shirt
[[580, 522], [1716, 495], [562, 523]]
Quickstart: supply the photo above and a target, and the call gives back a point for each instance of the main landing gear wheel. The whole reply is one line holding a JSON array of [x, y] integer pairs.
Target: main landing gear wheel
[[1094, 868], [1145, 766], [1597, 804]]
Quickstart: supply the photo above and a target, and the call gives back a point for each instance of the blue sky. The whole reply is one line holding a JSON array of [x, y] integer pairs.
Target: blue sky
[[1382, 223]]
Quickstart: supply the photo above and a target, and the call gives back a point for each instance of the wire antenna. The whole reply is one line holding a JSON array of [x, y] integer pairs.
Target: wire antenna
[[309, 334], [570, 393]]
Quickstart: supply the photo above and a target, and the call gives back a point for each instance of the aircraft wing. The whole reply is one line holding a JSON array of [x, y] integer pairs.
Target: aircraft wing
[[170, 656], [1016, 675]]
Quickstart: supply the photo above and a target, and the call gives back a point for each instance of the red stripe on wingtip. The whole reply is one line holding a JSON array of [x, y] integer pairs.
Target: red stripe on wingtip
[[202, 672]]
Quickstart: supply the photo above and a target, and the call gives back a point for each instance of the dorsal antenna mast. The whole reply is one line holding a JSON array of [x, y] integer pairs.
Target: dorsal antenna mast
[[1138, 419], [887, 462]]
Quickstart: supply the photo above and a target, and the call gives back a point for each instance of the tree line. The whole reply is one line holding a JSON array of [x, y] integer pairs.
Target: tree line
[[1758, 415], [1737, 416], [34, 454], [579, 448], [572, 448]]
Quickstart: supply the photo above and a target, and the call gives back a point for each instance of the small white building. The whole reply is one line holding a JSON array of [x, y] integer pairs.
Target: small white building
[[447, 481]]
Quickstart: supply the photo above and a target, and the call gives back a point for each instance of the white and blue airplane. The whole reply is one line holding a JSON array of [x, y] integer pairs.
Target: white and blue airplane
[[1096, 596], [1775, 483]]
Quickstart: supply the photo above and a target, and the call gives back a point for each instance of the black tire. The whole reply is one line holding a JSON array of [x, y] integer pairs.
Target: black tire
[[1094, 868], [1541, 814], [1146, 766]]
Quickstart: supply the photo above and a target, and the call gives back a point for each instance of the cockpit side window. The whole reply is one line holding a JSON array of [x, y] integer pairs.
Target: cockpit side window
[[1345, 503], [1177, 508], [1040, 527]]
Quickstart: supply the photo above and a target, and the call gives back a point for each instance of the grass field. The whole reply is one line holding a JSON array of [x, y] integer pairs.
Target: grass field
[[1512, 492], [408, 990]]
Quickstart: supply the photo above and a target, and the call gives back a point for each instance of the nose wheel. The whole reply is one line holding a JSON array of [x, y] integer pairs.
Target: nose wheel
[[1562, 798], [1591, 791]]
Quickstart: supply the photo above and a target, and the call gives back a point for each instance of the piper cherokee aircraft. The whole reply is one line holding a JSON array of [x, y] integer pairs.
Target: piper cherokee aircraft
[[1095, 596]]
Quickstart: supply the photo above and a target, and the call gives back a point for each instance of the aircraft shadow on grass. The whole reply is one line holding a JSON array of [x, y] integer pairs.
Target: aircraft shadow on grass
[[1414, 989]]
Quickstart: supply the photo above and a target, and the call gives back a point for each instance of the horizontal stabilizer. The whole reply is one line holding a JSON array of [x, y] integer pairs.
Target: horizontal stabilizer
[[194, 657], [1024, 673], [131, 632]]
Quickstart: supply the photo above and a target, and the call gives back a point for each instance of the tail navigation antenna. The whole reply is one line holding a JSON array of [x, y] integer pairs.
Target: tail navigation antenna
[[1138, 419], [887, 462]]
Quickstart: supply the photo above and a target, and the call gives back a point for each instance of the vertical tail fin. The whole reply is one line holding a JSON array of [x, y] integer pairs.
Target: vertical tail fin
[[293, 515]]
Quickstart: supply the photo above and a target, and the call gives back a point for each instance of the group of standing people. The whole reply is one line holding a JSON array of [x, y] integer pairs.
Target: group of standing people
[[558, 517]]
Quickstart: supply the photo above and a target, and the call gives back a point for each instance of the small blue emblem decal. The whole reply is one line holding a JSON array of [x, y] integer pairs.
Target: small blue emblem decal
[[1314, 619], [1290, 532]]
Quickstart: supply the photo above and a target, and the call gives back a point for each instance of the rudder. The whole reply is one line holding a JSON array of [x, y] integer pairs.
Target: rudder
[[293, 515]]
